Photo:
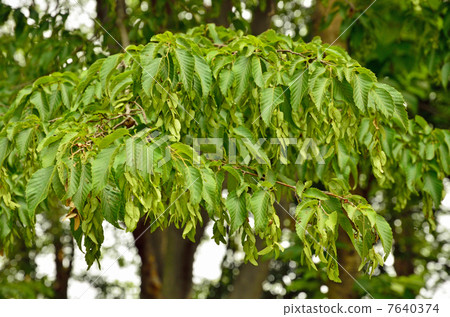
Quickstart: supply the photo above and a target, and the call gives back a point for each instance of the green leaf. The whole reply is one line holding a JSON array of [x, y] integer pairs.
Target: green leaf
[[382, 100], [100, 168], [361, 85], [445, 74], [84, 187], [236, 205], [23, 141], [315, 193], [304, 212], [259, 206], [257, 72], [187, 63], [107, 68], [194, 183], [149, 74], [111, 205], [38, 186], [132, 216], [204, 72], [242, 69], [298, 87], [433, 186], [385, 233], [270, 98], [209, 190], [3, 149], [226, 79], [110, 138], [318, 91]]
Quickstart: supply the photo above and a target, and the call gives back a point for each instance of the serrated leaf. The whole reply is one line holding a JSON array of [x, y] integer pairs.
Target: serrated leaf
[[204, 72], [84, 187], [361, 86], [226, 79], [433, 186], [209, 189], [194, 184], [385, 233], [259, 206], [149, 74], [236, 206], [298, 87], [382, 100], [111, 205], [270, 98], [257, 72], [315, 193], [304, 212], [242, 69], [100, 168], [107, 68], [38, 186], [318, 91], [186, 61], [110, 138]]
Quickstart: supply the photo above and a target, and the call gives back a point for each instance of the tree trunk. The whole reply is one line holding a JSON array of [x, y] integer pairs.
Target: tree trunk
[[331, 33], [350, 260], [248, 284], [121, 16], [166, 260], [178, 263], [403, 247], [63, 272], [262, 17], [149, 246]]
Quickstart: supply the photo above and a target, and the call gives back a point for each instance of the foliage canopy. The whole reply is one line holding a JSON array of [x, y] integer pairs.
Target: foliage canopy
[[99, 141]]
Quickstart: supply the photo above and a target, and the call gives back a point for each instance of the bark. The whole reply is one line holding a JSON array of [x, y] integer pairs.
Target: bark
[[166, 261], [179, 260], [149, 246], [63, 272], [120, 22], [225, 10], [331, 33], [350, 260], [262, 18], [403, 247], [248, 284]]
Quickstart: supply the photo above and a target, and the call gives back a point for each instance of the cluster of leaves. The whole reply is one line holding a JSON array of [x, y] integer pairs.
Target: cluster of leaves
[[116, 143], [408, 42]]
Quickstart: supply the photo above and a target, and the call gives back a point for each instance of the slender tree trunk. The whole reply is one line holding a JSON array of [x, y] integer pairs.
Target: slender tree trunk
[[331, 33], [403, 247], [262, 17], [225, 10], [120, 22], [63, 272]]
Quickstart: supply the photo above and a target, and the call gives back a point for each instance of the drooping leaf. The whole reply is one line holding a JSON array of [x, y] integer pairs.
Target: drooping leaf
[[361, 86], [259, 206], [236, 205], [38, 186], [385, 233], [187, 63], [204, 72], [433, 186], [270, 98]]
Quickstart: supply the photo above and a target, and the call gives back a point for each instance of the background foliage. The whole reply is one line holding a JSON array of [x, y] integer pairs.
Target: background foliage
[[223, 66]]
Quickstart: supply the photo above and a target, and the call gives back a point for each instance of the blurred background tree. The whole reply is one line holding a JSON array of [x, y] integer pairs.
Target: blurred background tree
[[405, 43]]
